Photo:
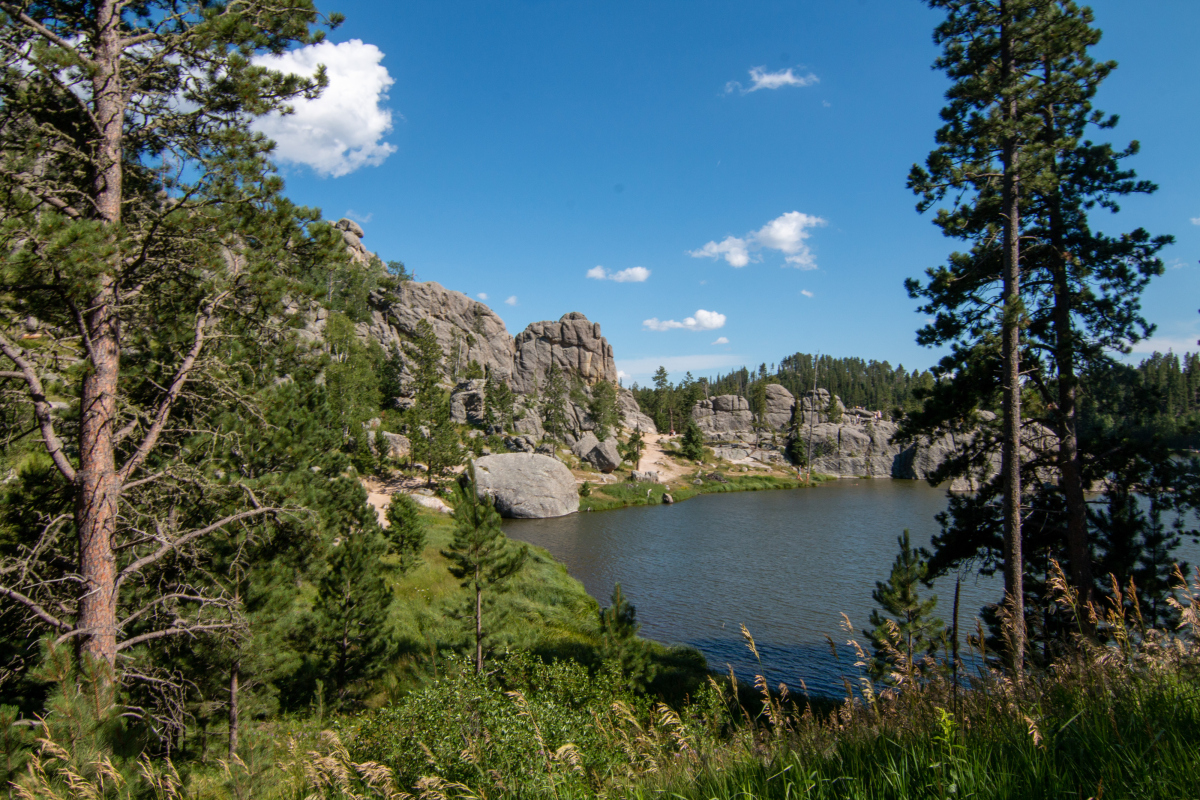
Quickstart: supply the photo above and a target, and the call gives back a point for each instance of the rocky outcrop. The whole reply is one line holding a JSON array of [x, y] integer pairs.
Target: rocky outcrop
[[632, 416], [724, 414], [466, 329], [527, 485], [601, 455], [396, 446], [780, 405], [573, 343], [467, 402], [859, 445]]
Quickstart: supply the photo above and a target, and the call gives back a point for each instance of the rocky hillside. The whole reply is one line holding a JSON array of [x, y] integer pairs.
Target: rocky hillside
[[468, 330]]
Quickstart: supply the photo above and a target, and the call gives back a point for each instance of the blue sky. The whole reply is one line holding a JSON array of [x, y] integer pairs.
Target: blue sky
[[512, 148]]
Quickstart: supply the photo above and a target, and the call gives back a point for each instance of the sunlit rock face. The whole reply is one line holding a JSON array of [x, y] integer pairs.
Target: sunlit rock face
[[573, 343]]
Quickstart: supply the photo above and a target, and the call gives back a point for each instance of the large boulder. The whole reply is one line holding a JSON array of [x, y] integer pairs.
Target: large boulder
[[726, 413], [780, 404], [467, 403], [527, 485], [395, 445], [601, 455], [573, 343]]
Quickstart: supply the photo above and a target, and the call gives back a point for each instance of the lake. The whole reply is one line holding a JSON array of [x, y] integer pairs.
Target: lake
[[785, 563]]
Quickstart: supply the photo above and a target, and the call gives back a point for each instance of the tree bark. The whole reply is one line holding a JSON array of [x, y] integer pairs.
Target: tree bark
[[98, 484], [234, 675], [478, 623], [1069, 458], [1011, 356]]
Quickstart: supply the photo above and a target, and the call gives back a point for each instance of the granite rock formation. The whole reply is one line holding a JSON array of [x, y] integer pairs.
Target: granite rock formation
[[573, 343], [527, 485]]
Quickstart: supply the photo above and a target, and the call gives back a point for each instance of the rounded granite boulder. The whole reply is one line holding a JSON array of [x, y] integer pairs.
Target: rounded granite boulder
[[527, 485]]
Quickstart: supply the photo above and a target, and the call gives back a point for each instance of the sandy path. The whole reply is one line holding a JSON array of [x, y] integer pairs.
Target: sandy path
[[655, 460]]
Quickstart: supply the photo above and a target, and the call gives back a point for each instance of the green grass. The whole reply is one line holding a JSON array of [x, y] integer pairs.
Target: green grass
[[609, 496]]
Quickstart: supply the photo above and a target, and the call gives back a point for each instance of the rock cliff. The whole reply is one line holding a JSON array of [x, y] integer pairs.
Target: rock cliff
[[859, 445], [573, 343]]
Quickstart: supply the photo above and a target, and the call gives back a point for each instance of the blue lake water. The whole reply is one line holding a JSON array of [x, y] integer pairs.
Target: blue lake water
[[786, 564]]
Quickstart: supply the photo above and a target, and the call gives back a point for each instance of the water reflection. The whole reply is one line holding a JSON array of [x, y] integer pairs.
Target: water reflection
[[787, 564]]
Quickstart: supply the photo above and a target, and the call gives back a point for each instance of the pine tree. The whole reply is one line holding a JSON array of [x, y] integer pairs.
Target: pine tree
[[632, 450], [406, 532], [554, 403], [347, 642], [916, 633], [480, 555], [620, 644], [439, 448], [603, 409], [137, 272], [692, 446]]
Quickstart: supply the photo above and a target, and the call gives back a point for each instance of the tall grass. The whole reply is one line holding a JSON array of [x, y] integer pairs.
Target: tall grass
[[1117, 716]]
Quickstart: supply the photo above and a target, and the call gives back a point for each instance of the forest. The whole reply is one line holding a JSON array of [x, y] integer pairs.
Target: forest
[[198, 601]]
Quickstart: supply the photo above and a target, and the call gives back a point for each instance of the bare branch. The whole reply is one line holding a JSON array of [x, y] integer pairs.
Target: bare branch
[[14, 11], [191, 629], [168, 547], [203, 319], [42, 614], [41, 407]]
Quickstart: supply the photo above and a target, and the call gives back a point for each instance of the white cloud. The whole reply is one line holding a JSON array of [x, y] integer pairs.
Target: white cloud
[[362, 219], [342, 130], [721, 340], [703, 321], [645, 367], [631, 275], [787, 233], [512, 301], [761, 79], [482, 295], [1196, 220], [736, 251], [806, 293], [1161, 344], [622, 375]]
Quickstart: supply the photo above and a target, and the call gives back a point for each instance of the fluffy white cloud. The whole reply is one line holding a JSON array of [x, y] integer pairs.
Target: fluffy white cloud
[[806, 293], [482, 295], [703, 321], [761, 79], [736, 251], [343, 129], [631, 275], [622, 375], [721, 340], [512, 301], [777, 80], [1196, 220], [787, 233]]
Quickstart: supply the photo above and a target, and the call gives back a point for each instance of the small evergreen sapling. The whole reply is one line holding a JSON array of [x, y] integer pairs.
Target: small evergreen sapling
[[905, 632], [620, 644], [632, 450], [406, 532], [693, 442], [480, 555]]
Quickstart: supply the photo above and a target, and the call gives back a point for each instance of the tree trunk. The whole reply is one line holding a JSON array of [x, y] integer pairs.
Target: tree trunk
[[1011, 355], [234, 674], [478, 624], [98, 484], [1069, 458]]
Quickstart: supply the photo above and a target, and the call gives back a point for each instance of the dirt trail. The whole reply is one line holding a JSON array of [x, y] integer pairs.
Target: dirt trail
[[655, 460]]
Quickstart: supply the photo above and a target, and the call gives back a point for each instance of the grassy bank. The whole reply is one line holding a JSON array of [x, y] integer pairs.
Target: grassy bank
[[544, 612], [608, 496]]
